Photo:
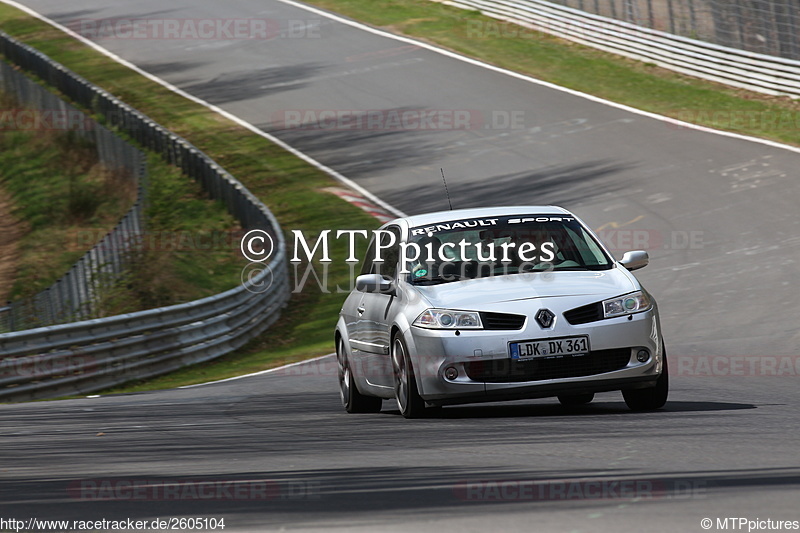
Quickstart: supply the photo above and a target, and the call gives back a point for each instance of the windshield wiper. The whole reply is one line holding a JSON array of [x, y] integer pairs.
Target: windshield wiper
[[433, 280], [582, 267]]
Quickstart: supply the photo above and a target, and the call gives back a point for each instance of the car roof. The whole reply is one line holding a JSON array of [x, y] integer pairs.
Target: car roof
[[483, 212]]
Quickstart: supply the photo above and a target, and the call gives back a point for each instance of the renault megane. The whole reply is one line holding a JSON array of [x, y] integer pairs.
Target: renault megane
[[497, 304]]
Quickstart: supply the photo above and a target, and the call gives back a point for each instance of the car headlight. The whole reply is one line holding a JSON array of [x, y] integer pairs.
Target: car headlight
[[449, 319], [635, 302]]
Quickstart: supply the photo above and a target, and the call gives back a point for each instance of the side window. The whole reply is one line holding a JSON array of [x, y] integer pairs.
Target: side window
[[366, 266], [390, 256]]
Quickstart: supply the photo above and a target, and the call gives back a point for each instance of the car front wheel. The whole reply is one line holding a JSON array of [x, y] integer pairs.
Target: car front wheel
[[353, 401], [409, 402], [650, 398]]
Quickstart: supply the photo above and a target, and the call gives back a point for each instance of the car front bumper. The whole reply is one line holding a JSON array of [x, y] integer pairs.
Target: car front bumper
[[486, 372]]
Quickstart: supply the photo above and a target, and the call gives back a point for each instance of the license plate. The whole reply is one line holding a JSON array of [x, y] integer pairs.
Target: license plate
[[522, 351]]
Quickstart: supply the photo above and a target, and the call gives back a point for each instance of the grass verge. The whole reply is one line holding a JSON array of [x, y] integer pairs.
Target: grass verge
[[64, 201], [58, 191]]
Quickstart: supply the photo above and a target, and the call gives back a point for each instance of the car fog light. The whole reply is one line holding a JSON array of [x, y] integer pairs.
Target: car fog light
[[642, 356], [451, 373]]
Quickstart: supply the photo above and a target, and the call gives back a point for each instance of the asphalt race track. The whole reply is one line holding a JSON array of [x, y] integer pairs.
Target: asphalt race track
[[718, 215]]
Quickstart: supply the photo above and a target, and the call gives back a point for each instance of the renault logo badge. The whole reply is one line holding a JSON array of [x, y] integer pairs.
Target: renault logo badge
[[545, 318]]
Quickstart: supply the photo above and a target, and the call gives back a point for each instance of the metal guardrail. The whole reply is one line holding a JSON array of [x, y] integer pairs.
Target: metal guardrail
[[91, 355], [87, 356], [731, 66], [75, 296], [764, 27]]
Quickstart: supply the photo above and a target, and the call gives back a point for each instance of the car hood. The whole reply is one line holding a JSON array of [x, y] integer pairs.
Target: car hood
[[471, 294]]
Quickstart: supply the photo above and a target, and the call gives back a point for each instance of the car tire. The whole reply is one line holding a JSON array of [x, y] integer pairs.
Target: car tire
[[409, 402], [572, 400], [651, 398], [352, 400]]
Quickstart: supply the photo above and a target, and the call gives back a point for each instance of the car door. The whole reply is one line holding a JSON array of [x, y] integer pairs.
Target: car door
[[353, 314], [378, 312]]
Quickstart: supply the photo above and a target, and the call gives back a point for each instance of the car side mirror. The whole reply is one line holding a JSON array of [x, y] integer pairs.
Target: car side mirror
[[635, 260], [374, 283]]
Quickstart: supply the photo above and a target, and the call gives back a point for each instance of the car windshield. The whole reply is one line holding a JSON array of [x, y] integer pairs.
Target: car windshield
[[482, 247]]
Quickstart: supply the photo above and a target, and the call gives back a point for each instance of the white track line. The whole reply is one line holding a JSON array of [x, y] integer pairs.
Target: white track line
[[260, 372], [407, 40], [230, 116], [530, 79]]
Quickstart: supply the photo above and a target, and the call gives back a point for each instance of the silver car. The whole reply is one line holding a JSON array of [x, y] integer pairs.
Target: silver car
[[495, 304]]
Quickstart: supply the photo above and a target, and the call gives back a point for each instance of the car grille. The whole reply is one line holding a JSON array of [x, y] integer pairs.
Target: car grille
[[502, 321], [568, 366], [584, 314]]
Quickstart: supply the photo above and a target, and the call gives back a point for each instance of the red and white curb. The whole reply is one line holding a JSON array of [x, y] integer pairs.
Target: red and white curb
[[362, 202]]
